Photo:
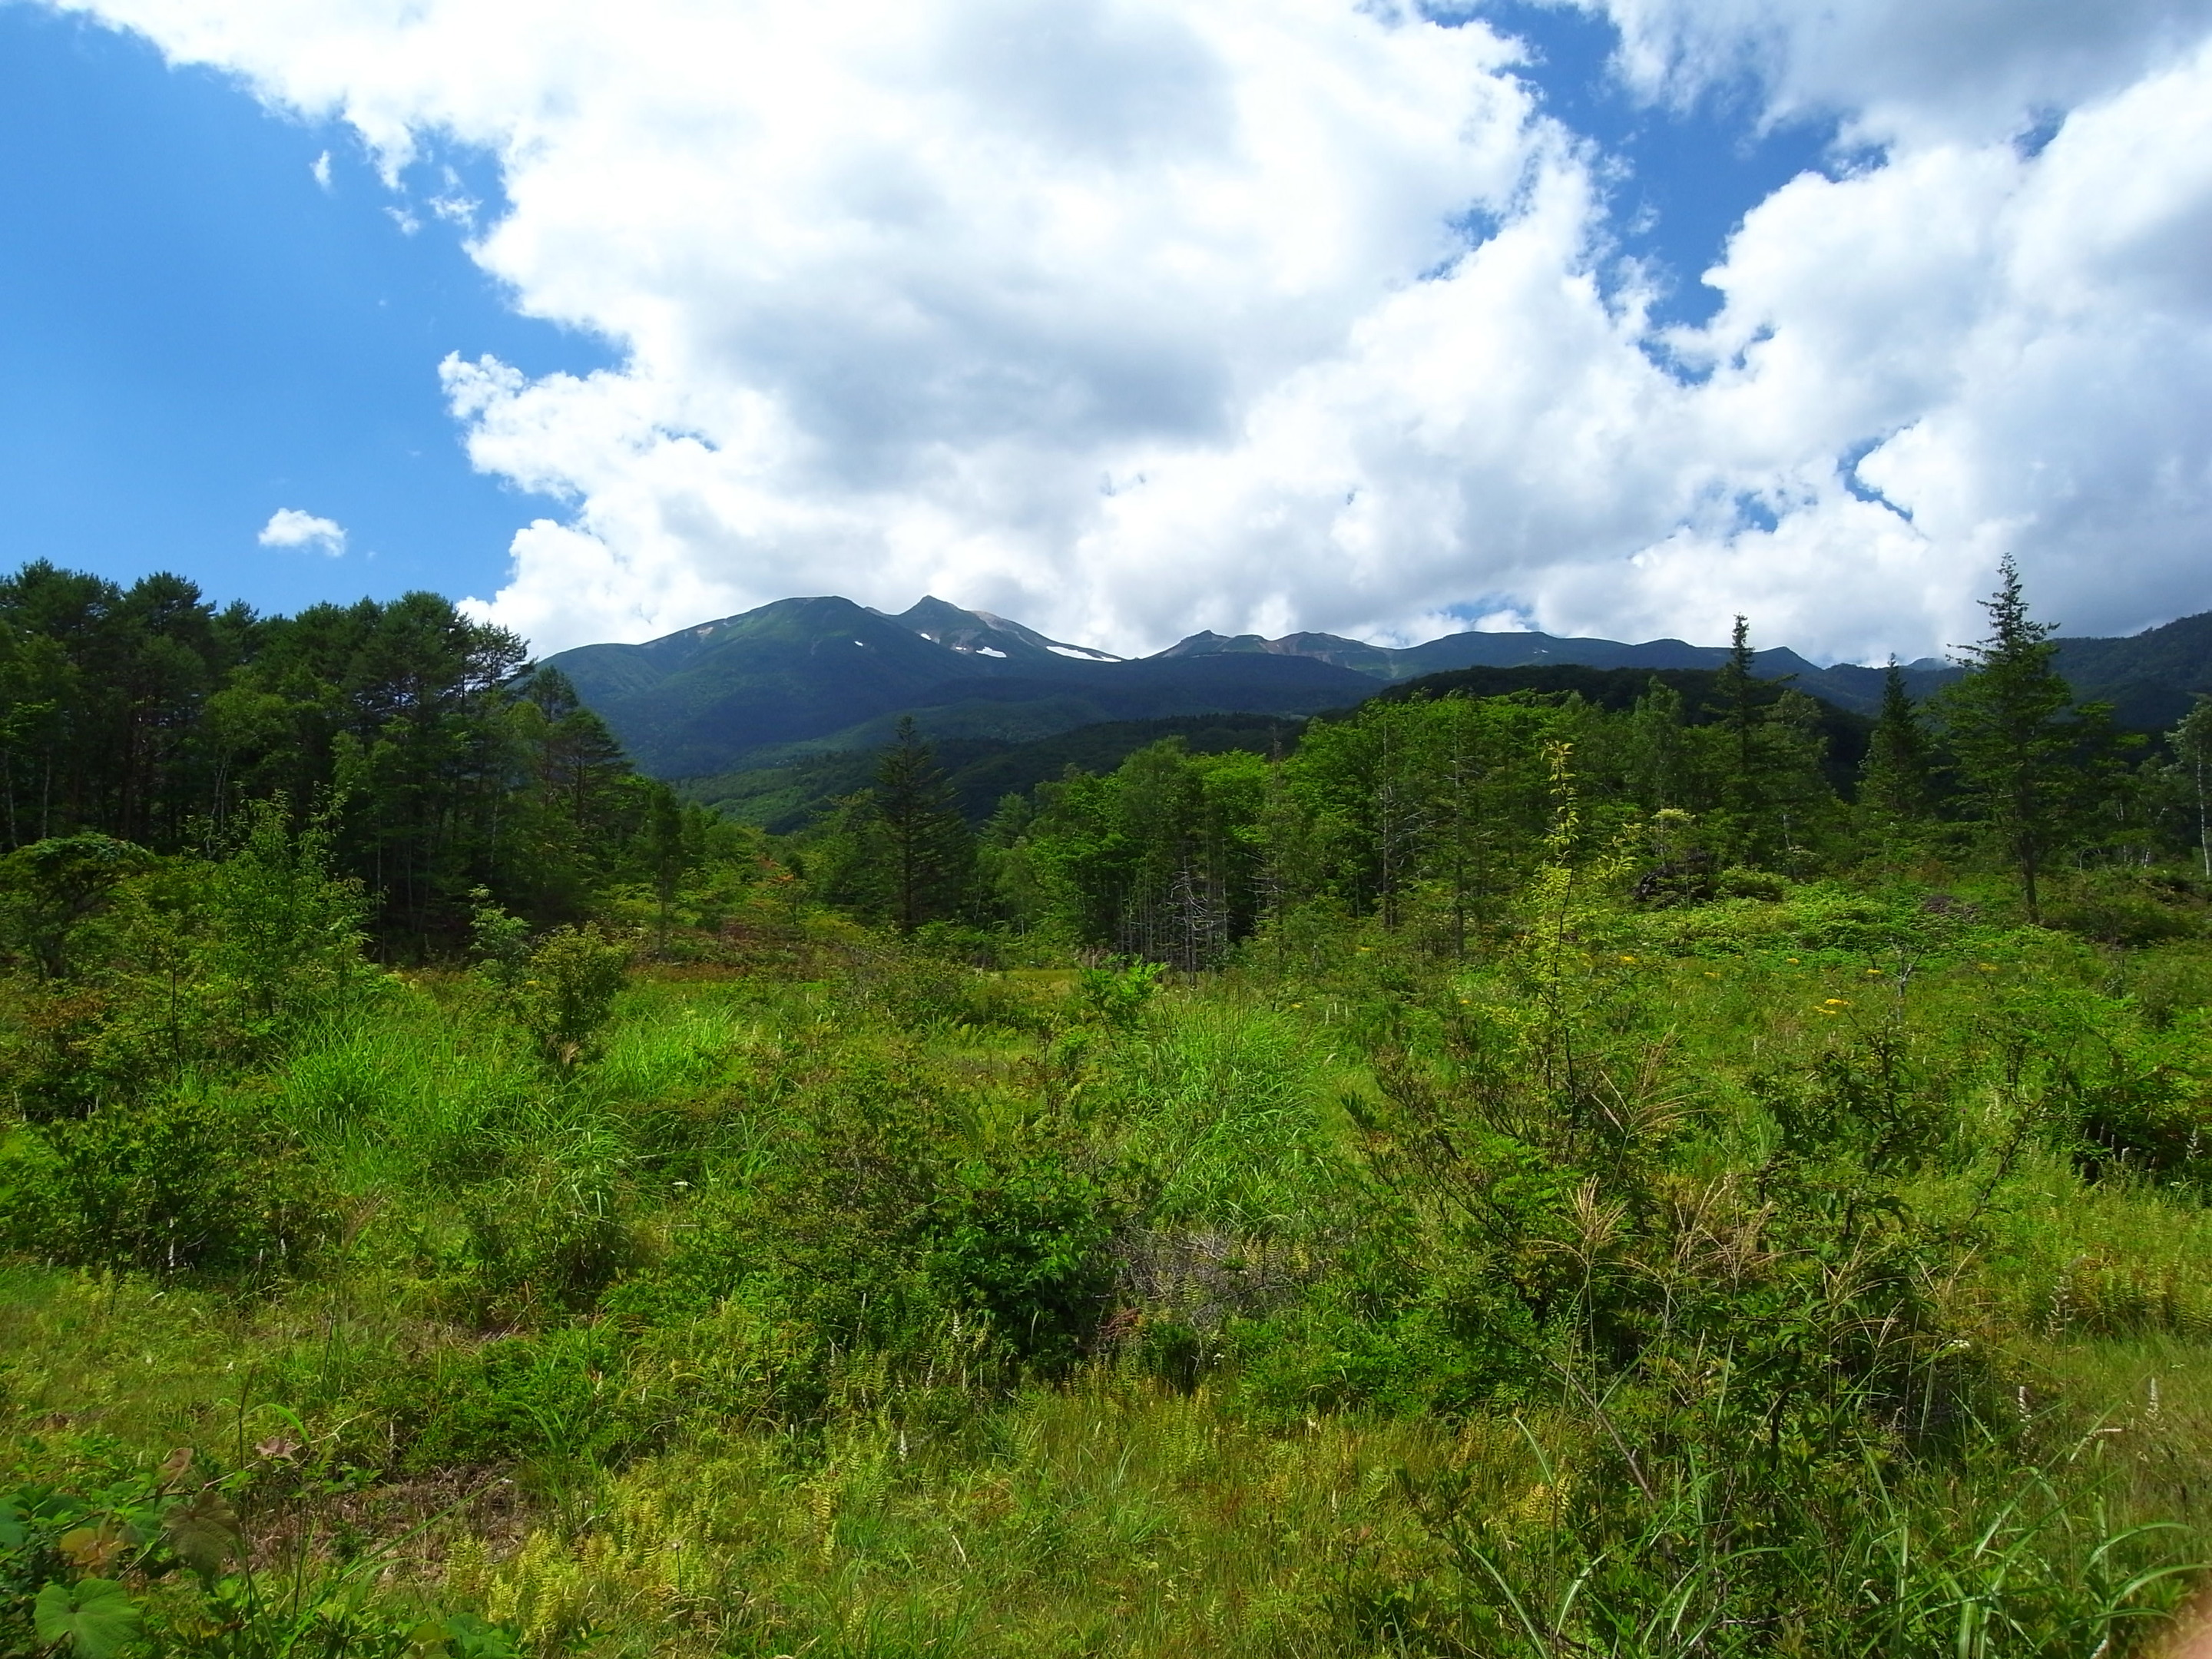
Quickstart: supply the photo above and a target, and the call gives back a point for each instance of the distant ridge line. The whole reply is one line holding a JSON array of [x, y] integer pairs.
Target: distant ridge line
[[822, 673]]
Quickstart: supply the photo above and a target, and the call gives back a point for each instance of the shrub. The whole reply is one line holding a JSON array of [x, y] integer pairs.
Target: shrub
[[281, 937], [554, 1238], [1030, 1245], [2168, 984], [196, 1180], [1763, 886], [2141, 1111], [1117, 996], [50, 889], [2119, 907], [546, 1394], [566, 993]]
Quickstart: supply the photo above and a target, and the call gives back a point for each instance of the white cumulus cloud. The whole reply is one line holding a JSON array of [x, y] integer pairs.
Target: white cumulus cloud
[[289, 526], [1971, 69], [1132, 317]]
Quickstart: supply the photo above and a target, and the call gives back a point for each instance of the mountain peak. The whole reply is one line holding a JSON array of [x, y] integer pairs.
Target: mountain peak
[[980, 633]]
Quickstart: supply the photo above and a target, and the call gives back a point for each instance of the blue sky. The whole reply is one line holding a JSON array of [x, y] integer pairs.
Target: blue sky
[[1690, 171], [197, 334], [200, 334], [1127, 318]]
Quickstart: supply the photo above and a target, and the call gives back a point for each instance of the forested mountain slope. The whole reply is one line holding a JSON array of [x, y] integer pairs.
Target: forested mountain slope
[[787, 793], [810, 675], [818, 671]]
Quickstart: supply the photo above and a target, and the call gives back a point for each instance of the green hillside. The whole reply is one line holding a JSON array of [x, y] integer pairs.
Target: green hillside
[[981, 772], [789, 793], [805, 677]]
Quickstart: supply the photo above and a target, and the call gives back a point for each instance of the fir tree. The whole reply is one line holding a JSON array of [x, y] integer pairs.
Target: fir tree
[[1737, 691], [1893, 780], [1771, 791], [926, 850], [2019, 759]]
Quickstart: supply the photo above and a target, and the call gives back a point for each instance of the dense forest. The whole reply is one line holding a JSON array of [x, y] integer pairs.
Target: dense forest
[[436, 761], [1625, 1167], [1431, 806]]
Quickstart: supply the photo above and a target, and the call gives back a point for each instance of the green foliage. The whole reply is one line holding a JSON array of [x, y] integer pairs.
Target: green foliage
[[141, 718], [1505, 1178], [563, 992], [1769, 789], [1895, 786], [548, 1239], [2119, 907], [190, 968], [499, 942], [52, 888], [95, 1617], [197, 1180], [1029, 1246], [1116, 996], [2031, 771], [90, 1568], [1702, 1567], [280, 933], [899, 851], [2192, 743]]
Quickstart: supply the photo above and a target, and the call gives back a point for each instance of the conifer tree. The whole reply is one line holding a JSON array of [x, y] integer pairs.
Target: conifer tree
[[1770, 791], [926, 848], [1893, 780], [1737, 691], [579, 762], [2020, 760]]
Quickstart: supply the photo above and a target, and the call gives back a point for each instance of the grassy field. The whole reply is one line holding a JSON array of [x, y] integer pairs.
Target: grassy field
[[1821, 1274]]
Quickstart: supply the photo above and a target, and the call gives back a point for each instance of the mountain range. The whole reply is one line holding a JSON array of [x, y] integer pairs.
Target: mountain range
[[809, 676]]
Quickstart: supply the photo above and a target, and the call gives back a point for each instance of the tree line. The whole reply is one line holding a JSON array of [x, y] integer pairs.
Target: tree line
[[443, 770], [439, 763], [1425, 809]]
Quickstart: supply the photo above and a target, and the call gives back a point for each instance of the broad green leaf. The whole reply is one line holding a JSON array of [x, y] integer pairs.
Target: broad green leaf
[[96, 1616], [12, 1533]]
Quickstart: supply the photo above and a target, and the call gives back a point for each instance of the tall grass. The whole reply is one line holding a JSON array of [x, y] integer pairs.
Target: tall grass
[[1220, 1105], [679, 1343], [409, 1097]]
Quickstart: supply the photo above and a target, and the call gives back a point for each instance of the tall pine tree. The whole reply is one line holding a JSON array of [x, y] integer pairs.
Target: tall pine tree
[[1773, 795], [1894, 779], [2023, 764], [927, 851], [1737, 691]]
